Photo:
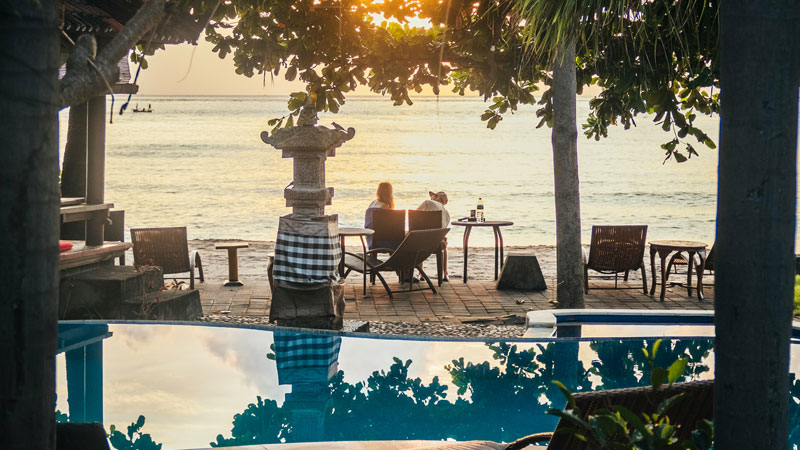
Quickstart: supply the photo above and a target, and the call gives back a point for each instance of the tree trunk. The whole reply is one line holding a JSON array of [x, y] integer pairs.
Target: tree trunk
[[754, 260], [569, 289], [28, 222]]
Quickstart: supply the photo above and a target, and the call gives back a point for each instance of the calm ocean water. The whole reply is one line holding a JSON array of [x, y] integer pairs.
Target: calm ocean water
[[199, 162]]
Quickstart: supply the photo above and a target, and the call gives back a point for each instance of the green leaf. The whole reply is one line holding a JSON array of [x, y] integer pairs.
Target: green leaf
[[665, 406], [676, 369], [291, 73], [658, 376], [567, 394], [655, 347]]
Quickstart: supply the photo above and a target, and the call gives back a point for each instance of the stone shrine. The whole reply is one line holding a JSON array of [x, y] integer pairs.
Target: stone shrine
[[307, 291]]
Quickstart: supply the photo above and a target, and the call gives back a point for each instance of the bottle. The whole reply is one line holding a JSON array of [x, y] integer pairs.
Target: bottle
[[480, 216]]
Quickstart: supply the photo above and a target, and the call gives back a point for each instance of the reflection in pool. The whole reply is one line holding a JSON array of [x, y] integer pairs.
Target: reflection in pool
[[200, 385]]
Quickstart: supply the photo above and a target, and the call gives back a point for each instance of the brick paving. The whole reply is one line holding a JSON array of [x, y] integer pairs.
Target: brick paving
[[456, 302]]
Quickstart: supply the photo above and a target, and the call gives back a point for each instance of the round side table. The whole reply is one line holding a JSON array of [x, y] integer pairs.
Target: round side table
[[663, 249], [498, 241]]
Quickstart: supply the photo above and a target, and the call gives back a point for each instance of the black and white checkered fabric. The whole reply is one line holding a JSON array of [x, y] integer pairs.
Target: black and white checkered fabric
[[306, 259], [295, 351]]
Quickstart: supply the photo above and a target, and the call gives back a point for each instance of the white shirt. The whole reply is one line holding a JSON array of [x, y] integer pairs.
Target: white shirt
[[378, 204], [433, 205]]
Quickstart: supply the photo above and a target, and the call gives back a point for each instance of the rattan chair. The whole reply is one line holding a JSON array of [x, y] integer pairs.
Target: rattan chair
[[416, 247], [167, 248], [429, 220], [616, 249], [696, 403]]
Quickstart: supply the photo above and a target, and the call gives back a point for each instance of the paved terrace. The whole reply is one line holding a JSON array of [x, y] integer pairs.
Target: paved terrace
[[456, 301]]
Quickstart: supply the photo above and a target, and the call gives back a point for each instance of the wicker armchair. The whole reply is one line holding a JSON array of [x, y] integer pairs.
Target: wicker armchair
[[697, 403], [616, 249], [167, 248]]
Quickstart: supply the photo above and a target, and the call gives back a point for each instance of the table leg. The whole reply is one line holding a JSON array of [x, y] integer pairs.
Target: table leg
[[465, 243], [689, 266], [700, 269], [653, 271], [364, 256], [496, 242], [233, 269], [500, 235], [663, 255]]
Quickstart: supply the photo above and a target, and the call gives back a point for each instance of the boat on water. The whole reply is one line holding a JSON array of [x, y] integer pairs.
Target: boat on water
[[142, 110]]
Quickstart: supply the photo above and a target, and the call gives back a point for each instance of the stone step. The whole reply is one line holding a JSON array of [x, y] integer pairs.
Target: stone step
[[171, 304], [124, 292]]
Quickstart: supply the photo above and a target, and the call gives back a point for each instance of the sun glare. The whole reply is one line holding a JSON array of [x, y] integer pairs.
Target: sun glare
[[414, 22]]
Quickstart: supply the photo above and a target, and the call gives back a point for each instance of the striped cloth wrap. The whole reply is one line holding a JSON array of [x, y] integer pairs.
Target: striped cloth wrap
[[307, 251]]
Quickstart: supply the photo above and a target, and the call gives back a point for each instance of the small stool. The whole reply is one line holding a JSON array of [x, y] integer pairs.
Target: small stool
[[233, 261]]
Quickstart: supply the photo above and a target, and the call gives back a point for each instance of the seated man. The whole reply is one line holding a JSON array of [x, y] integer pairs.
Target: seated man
[[436, 203]]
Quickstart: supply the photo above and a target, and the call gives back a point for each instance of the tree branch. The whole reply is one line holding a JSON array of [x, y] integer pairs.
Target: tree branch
[[83, 82]]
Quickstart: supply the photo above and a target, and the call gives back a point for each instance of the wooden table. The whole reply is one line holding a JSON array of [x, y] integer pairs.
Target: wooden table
[[498, 241], [233, 261], [360, 232], [663, 249]]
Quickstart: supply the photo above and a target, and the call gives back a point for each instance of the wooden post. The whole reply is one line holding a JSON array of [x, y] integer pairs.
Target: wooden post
[[95, 167]]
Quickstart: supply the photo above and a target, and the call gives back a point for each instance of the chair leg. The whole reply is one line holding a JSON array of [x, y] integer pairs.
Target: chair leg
[[585, 280], [199, 265], [385, 286], [427, 280], [191, 279], [439, 268], [626, 276], [644, 280]]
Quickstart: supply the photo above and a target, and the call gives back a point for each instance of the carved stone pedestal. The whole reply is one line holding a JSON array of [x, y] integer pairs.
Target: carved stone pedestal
[[318, 306]]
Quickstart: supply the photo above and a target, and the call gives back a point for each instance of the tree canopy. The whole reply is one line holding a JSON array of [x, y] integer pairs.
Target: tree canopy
[[659, 58]]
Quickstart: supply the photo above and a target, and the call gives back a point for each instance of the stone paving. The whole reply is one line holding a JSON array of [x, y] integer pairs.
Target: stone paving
[[474, 302]]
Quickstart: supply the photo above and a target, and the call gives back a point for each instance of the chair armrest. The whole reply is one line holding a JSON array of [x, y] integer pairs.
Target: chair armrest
[[521, 443], [376, 251]]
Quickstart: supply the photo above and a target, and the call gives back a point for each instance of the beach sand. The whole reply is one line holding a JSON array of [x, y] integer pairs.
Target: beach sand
[[253, 260]]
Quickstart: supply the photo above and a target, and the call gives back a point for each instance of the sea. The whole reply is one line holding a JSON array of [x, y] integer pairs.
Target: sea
[[199, 162]]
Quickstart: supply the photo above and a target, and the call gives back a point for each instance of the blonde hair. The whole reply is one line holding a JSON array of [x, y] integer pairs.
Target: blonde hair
[[384, 194]]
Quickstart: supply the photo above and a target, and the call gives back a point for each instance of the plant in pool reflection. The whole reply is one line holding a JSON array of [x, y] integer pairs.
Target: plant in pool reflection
[[134, 440], [621, 363], [517, 386], [263, 422], [501, 399]]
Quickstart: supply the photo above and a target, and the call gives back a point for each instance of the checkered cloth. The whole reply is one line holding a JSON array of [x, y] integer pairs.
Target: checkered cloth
[[302, 350], [307, 251]]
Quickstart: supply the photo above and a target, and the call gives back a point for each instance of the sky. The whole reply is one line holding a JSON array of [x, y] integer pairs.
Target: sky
[[187, 69], [195, 70]]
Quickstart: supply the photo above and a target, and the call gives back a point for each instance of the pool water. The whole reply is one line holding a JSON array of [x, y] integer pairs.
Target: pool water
[[200, 386]]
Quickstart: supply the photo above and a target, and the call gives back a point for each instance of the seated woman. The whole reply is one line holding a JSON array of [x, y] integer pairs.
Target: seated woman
[[384, 199]]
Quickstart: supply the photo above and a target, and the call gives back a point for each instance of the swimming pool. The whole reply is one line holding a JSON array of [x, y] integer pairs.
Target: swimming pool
[[199, 385]]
